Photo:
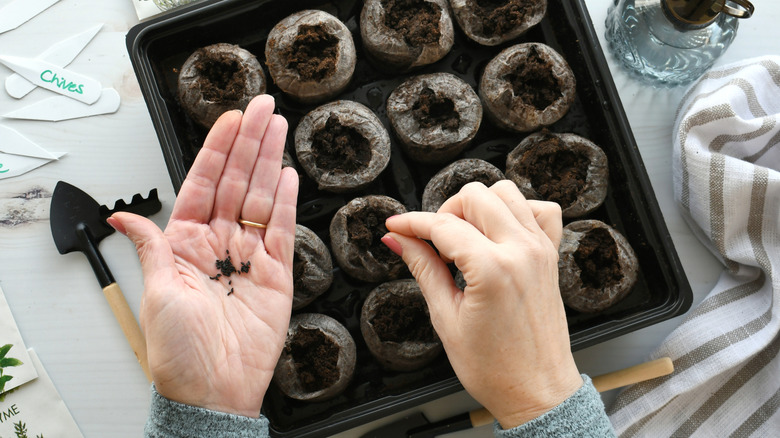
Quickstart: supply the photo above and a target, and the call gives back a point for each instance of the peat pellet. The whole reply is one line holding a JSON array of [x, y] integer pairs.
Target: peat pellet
[[318, 358], [355, 233], [312, 267], [396, 326], [436, 116], [596, 267], [527, 86], [218, 78], [342, 146], [401, 35], [311, 56], [492, 22], [449, 180], [564, 168]]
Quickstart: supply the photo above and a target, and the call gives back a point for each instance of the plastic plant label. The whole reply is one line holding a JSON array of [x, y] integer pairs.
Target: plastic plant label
[[57, 108], [54, 78], [19, 155], [18, 12], [13, 142], [15, 165], [60, 53], [16, 368]]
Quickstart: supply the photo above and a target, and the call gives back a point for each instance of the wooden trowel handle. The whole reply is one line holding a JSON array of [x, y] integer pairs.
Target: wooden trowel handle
[[635, 374], [129, 325], [605, 382]]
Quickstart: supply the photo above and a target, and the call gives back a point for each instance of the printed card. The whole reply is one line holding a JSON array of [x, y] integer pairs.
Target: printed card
[[16, 368], [36, 410], [149, 8]]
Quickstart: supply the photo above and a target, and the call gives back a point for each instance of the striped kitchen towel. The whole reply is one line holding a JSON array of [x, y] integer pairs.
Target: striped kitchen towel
[[727, 184]]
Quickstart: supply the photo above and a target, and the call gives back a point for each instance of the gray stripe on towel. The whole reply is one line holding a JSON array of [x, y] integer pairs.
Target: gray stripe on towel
[[734, 384], [762, 414], [702, 117], [693, 357]]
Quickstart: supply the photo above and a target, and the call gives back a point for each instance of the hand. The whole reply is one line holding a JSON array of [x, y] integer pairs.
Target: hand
[[206, 347], [506, 334]]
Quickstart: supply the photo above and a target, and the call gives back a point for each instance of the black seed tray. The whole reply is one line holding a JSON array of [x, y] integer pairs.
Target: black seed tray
[[159, 47]]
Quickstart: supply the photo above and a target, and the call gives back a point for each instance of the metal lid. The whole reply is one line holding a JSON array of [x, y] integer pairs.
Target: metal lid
[[700, 13]]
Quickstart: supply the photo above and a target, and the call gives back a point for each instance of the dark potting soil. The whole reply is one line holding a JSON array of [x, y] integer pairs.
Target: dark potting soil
[[432, 109], [534, 83], [314, 53], [221, 78], [339, 147], [597, 259], [365, 228], [500, 16], [557, 173], [316, 358], [417, 21], [403, 318]]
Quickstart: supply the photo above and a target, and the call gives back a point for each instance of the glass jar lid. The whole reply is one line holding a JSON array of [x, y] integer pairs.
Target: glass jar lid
[[700, 13]]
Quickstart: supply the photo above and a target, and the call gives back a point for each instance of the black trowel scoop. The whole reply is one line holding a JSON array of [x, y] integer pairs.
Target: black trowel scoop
[[77, 225]]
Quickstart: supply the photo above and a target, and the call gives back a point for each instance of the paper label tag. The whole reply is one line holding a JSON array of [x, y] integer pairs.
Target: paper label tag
[[54, 78], [16, 368], [36, 409]]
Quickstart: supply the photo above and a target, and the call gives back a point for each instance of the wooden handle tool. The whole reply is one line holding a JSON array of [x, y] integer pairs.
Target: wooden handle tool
[[131, 329]]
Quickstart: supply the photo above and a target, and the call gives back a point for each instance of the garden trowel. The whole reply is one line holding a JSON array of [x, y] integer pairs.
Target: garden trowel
[[78, 224]]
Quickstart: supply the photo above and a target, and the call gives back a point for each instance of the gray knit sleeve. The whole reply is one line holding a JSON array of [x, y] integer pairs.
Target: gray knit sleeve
[[580, 416], [170, 419]]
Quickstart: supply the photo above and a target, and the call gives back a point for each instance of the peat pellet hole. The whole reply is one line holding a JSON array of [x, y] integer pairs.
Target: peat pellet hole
[[316, 359], [314, 53], [403, 318], [597, 258], [339, 147]]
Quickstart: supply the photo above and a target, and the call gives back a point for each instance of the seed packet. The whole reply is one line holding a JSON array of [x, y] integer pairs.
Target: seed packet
[[16, 368], [36, 410], [149, 8]]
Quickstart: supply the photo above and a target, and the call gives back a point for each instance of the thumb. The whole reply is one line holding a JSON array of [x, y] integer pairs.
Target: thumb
[[153, 249], [430, 271]]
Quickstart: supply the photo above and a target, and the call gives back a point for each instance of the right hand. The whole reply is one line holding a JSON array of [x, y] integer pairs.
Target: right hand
[[506, 334]]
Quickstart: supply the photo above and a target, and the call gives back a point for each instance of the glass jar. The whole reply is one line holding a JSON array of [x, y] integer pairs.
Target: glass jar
[[672, 42]]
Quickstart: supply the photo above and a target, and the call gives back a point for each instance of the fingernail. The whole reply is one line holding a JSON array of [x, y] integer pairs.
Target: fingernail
[[392, 244], [239, 111], [116, 225]]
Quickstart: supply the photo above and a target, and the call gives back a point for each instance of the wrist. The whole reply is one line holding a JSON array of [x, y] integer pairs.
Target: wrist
[[527, 405]]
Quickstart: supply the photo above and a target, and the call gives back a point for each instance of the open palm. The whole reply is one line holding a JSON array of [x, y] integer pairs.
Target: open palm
[[214, 342]]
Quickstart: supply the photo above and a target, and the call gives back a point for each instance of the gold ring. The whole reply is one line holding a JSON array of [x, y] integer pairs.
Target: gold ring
[[252, 224]]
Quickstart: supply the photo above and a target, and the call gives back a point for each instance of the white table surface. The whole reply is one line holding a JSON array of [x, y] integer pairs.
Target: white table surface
[[56, 301]]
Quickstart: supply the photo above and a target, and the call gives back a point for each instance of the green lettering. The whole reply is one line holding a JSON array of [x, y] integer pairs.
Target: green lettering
[[52, 78], [3, 171], [44, 74], [13, 410]]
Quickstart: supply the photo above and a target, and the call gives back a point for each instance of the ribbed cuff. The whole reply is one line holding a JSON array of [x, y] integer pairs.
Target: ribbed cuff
[[170, 419], [581, 415]]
